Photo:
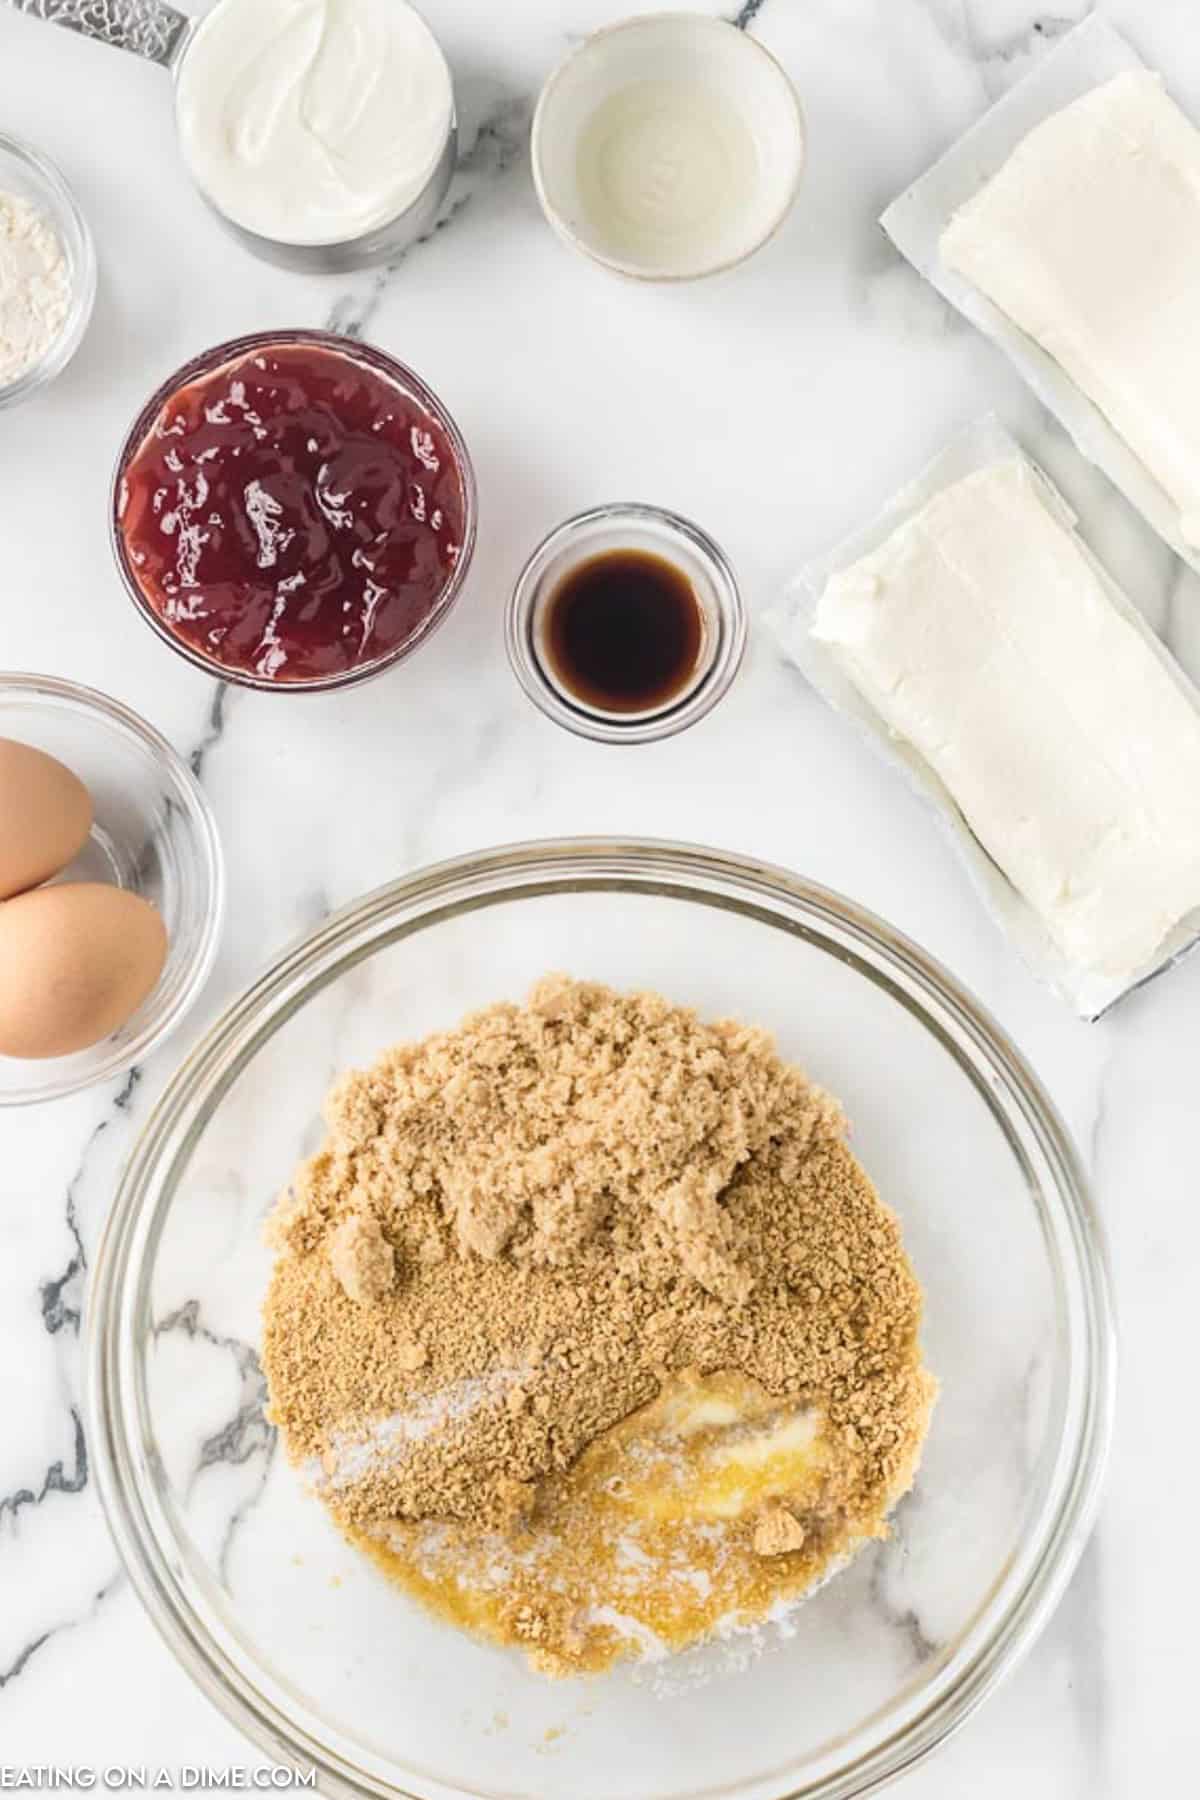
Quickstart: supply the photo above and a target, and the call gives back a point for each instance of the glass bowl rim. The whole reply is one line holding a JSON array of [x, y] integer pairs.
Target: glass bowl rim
[[772, 895], [697, 700], [83, 278], [204, 362], [91, 701]]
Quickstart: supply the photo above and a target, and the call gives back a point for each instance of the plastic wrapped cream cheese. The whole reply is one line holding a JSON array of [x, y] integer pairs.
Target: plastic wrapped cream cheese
[[313, 121], [983, 634], [1088, 239]]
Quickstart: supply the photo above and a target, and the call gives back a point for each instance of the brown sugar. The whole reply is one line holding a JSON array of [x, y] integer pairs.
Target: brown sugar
[[362, 1260], [521, 1231]]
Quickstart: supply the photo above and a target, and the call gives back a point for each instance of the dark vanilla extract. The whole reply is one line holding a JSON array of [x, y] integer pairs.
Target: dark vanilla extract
[[624, 631]]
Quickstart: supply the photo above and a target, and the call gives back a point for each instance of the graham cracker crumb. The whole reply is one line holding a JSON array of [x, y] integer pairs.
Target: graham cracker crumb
[[778, 1532], [517, 1230]]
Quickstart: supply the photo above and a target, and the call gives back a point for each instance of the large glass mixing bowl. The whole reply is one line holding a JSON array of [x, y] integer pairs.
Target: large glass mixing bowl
[[309, 1649]]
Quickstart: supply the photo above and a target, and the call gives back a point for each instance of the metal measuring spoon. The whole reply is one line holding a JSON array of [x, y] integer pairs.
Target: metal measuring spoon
[[163, 35]]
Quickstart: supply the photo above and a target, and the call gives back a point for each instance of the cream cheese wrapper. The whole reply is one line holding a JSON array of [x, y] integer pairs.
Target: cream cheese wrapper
[[1088, 991], [1089, 56]]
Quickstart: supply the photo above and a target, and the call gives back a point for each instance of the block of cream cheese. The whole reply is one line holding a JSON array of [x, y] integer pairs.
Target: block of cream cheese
[[985, 636], [1088, 239]]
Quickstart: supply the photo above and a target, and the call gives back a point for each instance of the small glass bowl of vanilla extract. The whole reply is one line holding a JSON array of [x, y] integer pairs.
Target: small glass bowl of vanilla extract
[[626, 624]]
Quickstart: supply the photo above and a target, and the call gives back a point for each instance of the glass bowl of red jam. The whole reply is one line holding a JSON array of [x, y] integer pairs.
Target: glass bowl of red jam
[[293, 511]]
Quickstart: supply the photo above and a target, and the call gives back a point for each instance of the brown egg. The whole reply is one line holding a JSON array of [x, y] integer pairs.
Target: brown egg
[[75, 962], [45, 817]]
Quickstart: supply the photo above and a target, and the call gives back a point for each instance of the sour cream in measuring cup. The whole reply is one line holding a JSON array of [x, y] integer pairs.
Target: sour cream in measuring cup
[[313, 121]]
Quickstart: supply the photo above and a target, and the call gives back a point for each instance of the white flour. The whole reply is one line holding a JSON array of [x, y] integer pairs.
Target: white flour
[[35, 286]]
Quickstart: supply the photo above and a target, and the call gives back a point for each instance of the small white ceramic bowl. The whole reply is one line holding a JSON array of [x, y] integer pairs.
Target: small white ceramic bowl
[[668, 147]]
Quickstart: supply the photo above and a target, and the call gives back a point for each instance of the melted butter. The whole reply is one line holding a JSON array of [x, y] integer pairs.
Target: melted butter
[[726, 1470], [646, 1544]]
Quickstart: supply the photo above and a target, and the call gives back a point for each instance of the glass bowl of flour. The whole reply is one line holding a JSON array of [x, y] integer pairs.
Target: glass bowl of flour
[[47, 272]]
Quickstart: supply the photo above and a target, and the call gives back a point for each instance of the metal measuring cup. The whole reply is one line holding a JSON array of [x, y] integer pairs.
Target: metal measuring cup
[[163, 35]]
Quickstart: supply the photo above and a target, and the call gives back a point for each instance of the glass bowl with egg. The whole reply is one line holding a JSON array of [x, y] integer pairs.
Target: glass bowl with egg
[[310, 1650], [52, 263], [150, 834]]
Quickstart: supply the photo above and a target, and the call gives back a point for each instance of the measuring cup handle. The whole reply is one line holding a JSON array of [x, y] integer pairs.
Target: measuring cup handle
[[150, 28]]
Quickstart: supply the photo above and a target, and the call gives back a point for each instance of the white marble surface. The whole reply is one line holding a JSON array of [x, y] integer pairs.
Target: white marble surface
[[777, 407]]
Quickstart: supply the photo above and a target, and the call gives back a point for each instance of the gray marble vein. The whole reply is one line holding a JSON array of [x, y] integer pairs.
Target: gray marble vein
[[214, 729], [1045, 28], [62, 1295], [497, 144], [61, 1302], [1002, 57], [898, 1617], [27, 1653], [24, 1657], [57, 1479], [245, 1437]]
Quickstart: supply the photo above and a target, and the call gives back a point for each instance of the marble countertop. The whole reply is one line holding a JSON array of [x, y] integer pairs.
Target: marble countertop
[[778, 407]]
